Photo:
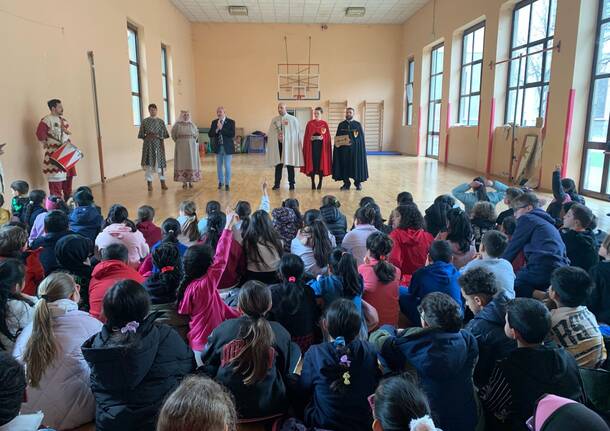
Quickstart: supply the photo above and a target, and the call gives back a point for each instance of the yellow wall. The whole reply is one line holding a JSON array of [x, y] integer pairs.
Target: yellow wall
[[236, 67], [575, 27], [44, 55]]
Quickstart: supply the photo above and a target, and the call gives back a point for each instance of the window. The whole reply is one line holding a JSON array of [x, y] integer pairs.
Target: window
[[134, 74], [434, 100], [528, 78], [409, 92], [470, 75], [595, 169], [165, 82]]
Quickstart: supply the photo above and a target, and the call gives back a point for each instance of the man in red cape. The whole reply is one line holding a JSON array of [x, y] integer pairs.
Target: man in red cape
[[317, 154]]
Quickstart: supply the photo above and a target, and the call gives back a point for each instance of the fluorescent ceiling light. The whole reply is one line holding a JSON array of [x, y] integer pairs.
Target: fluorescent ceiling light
[[238, 10], [355, 11]]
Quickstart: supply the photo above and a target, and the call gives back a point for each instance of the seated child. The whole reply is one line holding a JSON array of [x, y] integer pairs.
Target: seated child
[[340, 374], [5, 215], [442, 354], [508, 228], [493, 245], [13, 245], [482, 220], [210, 208], [439, 276], [16, 309], [555, 413], [188, 223], [253, 357], [146, 224], [511, 194], [52, 203], [573, 326], [404, 198], [33, 208], [564, 190], [334, 219], [294, 303], [20, 190], [73, 254], [479, 192], [199, 403], [530, 371], [119, 229], [599, 300], [171, 231], [578, 237], [55, 227], [86, 219], [488, 304], [460, 236]]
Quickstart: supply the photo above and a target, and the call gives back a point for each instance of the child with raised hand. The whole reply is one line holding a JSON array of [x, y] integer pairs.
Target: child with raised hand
[[253, 357], [340, 374], [134, 362], [579, 237], [146, 224], [399, 405], [564, 191], [479, 192], [294, 304], [198, 295], [573, 326], [49, 348], [199, 403], [381, 278]]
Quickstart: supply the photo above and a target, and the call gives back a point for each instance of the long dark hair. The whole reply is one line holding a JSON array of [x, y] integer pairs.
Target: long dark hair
[[170, 229], [345, 266], [260, 231], [119, 214], [243, 209], [319, 241], [252, 361], [379, 246], [343, 323], [190, 229], [293, 204], [366, 214], [126, 301], [196, 261], [12, 274], [410, 217], [436, 214], [216, 224], [459, 229], [481, 191], [399, 400], [291, 272], [37, 198], [166, 258]]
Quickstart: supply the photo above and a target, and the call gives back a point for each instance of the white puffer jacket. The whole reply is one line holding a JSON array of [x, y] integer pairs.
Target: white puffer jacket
[[64, 394]]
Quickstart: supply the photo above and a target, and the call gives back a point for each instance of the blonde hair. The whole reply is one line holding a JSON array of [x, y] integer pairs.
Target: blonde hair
[[484, 210], [199, 403], [41, 348], [189, 228]]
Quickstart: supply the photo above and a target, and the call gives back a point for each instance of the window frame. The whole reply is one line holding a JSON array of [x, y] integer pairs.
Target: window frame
[[542, 85], [165, 83], [138, 94], [409, 83], [438, 103], [468, 96]]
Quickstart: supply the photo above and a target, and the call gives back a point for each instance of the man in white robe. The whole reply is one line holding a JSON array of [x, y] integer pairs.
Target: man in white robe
[[284, 146]]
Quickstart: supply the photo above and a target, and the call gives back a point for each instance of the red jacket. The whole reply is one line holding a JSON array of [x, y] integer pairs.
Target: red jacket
[[34, 272], [410, 251], [317, 127], [104, 276], [152, 233]]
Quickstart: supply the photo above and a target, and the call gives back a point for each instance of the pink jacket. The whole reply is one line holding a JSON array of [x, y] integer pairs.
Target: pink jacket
[[120, 233], [202, 301]]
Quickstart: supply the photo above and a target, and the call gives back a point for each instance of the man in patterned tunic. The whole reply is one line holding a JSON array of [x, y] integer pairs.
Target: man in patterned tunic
[[52, 133], [153, 132]]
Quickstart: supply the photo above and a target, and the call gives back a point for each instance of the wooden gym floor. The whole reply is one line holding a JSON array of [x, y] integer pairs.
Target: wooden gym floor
[[424, 178]]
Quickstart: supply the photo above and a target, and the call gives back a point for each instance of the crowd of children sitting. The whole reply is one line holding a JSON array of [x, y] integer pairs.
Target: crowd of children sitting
[[446, 319]]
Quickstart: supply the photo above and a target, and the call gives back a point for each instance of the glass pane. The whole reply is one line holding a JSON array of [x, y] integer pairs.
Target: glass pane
[[531, 107], [410, 93], [511, 115], [598, 117], [465, 87], [429, 146], [545, 95], [608, 182], [606, 9], [603, 53], [463, 114], [135, 107], [548, 62], [534, 65], [166, 111], [553, 17], [409, 115], [133, 76], [540, 13], [132, 42], [520, 25], [163, 60], [474, 111], [435, 141], [438, 91], [437, 60], [479, 38], [411, 70], [517, 76], [476, 78], [467, 48], [433, 56], [164, 82], [431, 117], [437, 117], [593, 170]]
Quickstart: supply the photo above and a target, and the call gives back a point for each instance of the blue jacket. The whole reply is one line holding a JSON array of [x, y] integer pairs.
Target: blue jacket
[[438, 277], [487, 326], [444, 362], [540, 241], [462, 194], [86, 221]]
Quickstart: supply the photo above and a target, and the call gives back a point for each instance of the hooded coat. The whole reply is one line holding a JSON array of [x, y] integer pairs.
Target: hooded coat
[[581, 248], [335, 222], [410, 251], [86, 221], [130, 382], [71, 252], [122, 234]]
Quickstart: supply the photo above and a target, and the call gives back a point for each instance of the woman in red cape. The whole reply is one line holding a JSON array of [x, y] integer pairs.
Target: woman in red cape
[[317, 147]]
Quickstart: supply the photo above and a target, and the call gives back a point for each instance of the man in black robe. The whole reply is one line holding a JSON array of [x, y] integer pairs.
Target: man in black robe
[[349, 161]]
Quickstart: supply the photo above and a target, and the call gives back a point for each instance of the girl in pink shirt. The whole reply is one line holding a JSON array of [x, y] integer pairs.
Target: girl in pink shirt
[[198, 295], [381, 278]]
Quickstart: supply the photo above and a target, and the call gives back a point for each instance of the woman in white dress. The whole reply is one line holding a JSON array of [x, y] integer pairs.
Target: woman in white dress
[[186, 153]]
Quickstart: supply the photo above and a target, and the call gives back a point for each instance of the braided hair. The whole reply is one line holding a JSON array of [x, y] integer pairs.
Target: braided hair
[[216, 224], [379, 246], [166, 257]]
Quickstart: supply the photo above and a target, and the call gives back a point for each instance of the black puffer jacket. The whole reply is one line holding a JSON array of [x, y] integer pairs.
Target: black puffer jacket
[[335, 221], [130, 382]]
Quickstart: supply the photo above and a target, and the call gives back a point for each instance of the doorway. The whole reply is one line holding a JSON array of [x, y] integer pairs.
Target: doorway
[[435, 97]]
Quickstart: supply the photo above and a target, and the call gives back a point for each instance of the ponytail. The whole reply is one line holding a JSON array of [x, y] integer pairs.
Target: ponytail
[[196, 261], [252, 361], [345, 266], [171, 229], [118, 214], [41, 348], [36, 200], [379, 246], [291, 270], [190, 229], [166, 257]]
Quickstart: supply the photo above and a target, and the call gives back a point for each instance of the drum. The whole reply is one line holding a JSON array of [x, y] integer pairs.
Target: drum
[[66, 156]]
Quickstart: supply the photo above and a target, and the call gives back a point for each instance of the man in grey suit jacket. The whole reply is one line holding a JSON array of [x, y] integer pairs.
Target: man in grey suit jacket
[[222, 132]]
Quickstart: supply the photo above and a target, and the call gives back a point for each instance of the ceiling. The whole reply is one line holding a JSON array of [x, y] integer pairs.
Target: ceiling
[[300, 11]]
